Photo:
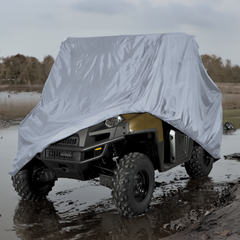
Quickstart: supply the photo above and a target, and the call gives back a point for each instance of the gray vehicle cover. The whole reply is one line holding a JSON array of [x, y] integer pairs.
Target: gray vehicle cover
[[96, 78]]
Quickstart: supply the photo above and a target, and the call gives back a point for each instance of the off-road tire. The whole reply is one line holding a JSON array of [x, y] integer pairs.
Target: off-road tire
[[200, 164], [27, 188], [133, 184]]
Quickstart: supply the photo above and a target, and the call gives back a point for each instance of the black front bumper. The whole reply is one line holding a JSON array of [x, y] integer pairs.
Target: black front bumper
[[70, 161]]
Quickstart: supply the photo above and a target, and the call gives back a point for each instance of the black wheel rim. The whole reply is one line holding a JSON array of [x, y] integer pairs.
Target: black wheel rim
[[140, 185], [35, 181]]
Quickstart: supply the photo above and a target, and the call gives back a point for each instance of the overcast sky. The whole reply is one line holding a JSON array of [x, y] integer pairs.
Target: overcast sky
[[37, 27]]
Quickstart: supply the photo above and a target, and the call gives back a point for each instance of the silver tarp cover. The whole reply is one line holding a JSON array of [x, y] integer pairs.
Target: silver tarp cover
[[96, 78]]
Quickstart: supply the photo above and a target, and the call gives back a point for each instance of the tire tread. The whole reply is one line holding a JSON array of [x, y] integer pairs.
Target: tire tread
[[121, 180]]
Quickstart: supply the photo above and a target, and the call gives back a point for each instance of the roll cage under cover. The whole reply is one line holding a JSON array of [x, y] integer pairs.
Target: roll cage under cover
[[96, 78]]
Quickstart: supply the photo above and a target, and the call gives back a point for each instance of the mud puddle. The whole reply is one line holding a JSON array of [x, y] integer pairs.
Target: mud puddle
[[84, 210]]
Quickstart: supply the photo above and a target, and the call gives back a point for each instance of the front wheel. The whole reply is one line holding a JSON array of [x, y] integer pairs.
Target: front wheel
[[200, 164], [27, 184], [133, 184]]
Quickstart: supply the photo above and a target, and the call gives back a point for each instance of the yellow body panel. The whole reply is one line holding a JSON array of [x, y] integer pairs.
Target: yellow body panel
[[142, 121]]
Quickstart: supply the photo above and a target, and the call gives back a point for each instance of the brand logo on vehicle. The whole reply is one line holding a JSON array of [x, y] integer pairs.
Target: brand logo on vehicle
[[59, 154]]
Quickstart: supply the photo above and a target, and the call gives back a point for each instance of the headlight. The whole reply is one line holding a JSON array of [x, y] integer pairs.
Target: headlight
[[114, 121]]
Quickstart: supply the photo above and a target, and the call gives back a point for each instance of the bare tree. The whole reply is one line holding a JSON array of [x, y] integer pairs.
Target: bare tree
[[47, 66]]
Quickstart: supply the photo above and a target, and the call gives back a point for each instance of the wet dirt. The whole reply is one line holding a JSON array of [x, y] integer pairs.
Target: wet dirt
[[84, 210], [223, 223]]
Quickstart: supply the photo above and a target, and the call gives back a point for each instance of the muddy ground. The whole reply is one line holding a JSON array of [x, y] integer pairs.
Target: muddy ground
[[84, 210], [222, 223], [181, 208]]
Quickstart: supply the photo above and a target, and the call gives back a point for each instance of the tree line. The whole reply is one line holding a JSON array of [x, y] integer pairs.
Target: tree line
[[24, 70], [221, 71]]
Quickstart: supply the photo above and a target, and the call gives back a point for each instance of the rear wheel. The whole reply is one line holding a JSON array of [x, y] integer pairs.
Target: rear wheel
[[200, 164], [27, 184], [133, 184]]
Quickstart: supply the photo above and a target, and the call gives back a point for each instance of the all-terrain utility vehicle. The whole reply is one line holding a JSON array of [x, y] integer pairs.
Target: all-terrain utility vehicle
[[118, 108], [123, 152]]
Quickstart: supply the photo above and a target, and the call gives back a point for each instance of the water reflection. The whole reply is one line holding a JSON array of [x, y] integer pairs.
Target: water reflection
[[33, 220], [14, 105], [41, 220]]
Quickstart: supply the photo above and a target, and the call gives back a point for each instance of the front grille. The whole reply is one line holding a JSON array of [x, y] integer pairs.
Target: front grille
[[73, 141], [59, 154]]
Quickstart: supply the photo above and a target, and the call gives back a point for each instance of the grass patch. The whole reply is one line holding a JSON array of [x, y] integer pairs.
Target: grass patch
[[229, 88], [233, 116], [231, 101]]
